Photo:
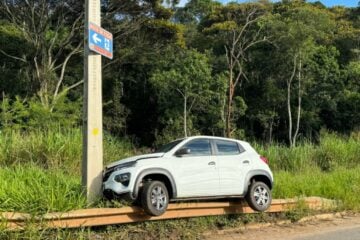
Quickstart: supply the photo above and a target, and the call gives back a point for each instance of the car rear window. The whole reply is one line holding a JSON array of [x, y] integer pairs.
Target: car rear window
[[227, 147]]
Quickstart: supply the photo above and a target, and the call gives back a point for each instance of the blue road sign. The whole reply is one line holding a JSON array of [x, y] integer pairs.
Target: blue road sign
[[100, 41]]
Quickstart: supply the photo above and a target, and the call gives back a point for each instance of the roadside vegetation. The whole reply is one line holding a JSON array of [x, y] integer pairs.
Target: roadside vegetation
[[274, 73], [40, 171], [55, 149]]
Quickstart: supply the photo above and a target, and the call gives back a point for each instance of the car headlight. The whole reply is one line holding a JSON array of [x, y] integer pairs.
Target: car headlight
[[108, 171], [124, 165], [123, 178]]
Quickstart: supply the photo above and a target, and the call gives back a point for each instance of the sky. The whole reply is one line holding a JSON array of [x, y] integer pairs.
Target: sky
[[328, 3]]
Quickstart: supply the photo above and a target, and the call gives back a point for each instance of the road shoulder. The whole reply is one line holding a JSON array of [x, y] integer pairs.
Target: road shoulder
[[307, 227]]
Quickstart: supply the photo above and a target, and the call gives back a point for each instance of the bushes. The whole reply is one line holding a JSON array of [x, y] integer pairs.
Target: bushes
[[30, 114], [332, 151]]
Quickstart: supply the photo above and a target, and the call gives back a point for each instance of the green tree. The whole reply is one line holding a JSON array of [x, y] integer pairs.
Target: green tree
[[299, 28], [240, 27], [142, 31], [14, 77], [50, 30], [183, 83]]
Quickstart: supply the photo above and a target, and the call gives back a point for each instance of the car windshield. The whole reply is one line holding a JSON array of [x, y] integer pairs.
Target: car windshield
[[167, 147]]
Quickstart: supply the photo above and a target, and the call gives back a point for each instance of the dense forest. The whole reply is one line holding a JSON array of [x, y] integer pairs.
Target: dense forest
[[259, 70]]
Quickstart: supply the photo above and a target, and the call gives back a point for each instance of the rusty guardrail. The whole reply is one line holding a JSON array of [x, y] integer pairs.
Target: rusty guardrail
[[110, 216]]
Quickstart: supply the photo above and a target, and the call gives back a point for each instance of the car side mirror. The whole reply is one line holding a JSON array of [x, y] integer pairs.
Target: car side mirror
[[182, 151]]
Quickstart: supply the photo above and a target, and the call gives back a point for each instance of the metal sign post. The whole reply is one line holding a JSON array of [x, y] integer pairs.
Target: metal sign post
[[92, 164]]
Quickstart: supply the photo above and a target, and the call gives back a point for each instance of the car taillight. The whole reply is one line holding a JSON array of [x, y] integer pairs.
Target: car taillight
[[264, 159]]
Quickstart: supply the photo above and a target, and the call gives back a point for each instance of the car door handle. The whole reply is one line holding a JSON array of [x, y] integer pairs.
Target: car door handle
[[246, 162], [211, 163]]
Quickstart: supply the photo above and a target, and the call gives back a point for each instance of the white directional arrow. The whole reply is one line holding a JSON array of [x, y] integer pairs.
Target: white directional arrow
[[95, 38]]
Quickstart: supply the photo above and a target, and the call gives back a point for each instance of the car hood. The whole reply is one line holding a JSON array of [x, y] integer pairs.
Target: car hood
[[135, 158]]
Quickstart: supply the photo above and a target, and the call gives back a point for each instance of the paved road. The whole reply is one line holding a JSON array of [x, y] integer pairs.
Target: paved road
[[346, 228], [342, 232]]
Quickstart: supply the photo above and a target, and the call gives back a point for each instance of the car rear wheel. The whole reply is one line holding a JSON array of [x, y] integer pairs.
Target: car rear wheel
[[154, 198], [259, 196]]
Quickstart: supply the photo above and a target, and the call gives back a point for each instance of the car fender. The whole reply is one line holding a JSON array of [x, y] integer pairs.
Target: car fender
[[148, 171], [253, 173]]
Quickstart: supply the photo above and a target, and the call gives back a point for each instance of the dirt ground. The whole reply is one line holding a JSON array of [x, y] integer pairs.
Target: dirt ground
[[328, 226]]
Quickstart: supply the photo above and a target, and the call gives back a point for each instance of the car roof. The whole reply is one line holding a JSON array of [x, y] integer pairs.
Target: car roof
[[217, 138]]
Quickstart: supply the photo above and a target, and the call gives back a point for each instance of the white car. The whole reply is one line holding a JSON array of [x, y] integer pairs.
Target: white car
[[200, 167]]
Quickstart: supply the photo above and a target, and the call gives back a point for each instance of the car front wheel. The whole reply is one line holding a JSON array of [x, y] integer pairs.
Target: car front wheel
[[154, 198], [259, 196]]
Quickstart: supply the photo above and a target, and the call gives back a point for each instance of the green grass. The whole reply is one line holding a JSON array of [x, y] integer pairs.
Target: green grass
[[34, 190], [40, 172], [340, 184], [332, 152], [55, 149]]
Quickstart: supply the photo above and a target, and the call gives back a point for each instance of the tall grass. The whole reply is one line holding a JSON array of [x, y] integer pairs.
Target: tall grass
[[333, 151], [55, 149], [40, 171], [62, 149], [340, 184], [32, 189]]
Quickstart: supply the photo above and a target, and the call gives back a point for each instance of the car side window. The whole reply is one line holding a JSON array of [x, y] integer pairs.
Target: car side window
[[227, 147], [199, 147]]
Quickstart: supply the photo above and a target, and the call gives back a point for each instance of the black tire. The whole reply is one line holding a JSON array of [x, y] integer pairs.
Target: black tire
[[259, 196], [154, 198]]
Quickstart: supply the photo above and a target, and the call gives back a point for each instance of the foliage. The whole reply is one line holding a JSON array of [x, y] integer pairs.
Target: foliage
[[23, 114], [159, 49], [41, 68], [48, 32], [14, 73], [183, 86]]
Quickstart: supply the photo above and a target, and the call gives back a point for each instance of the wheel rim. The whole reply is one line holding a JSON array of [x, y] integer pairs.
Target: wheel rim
[[158, 198], [261, 196]]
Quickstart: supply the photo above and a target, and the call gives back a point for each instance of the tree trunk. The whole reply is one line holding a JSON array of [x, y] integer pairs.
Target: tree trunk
[[289, 81], [289, 113], [185, 115], [230, 91], [229, 113], [223, 117], [236, 48], [271, 126], [299, 105]]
